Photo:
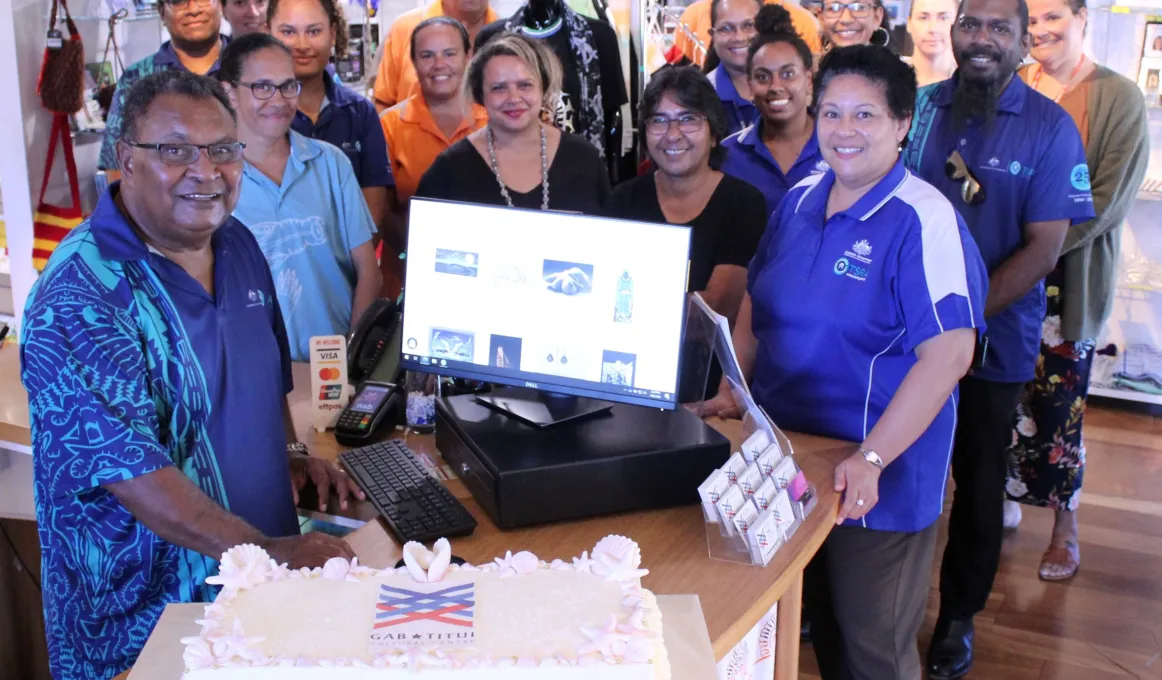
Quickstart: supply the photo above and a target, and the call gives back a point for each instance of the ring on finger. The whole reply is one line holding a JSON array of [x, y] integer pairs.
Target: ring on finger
[[859, 502]]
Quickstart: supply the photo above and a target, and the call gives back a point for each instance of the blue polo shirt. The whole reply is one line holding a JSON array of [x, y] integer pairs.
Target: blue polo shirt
[[1031, 163], [307, 227], [165, 59], [740, 112], [839, 306], [351, 123], [749, 159], [131, 367]]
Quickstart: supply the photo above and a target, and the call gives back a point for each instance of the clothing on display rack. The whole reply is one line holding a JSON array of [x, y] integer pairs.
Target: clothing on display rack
[[593, 90]]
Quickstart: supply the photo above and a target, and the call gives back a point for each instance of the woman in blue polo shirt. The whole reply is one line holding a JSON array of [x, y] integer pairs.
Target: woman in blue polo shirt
[[312, 30], [781, 149], [731, 28], [861, 315], [300, 199]]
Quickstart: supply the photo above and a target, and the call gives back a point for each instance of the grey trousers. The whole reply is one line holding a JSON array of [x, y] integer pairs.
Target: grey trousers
[[864, 593]]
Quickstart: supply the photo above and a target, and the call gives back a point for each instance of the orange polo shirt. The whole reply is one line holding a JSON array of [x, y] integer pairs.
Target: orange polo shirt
[[697, 18], [414, 140], [396, 79]]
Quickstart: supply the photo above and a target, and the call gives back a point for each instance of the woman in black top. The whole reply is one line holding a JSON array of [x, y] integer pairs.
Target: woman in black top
[[517, 160], [683, 124]]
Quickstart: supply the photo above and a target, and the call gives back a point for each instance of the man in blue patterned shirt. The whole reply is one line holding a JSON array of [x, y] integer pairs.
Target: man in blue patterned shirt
[[156, 364], [194, 45]]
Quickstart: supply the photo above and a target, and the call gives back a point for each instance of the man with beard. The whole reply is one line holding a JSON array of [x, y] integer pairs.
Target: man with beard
[[195, 41], [1012, 163]]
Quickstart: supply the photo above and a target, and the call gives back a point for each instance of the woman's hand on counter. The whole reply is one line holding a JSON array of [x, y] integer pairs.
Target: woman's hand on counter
[[858, 480], [721, 405], [324, 475]]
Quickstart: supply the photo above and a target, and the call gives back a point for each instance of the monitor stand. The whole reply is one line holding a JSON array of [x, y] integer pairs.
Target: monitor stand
[[542, 409]]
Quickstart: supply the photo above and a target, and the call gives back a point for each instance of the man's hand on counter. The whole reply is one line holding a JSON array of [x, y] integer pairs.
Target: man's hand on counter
[[324, 475], [307, 550]]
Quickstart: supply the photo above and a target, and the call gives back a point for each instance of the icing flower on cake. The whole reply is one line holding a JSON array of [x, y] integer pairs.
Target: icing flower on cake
[[426, 566], [242, 567], [617, 558], [524, 562], [336, 569], [583, 564], [198, 654]]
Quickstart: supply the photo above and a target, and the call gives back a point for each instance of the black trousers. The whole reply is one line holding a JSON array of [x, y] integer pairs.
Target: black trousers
[[984, 431], [865, 592]]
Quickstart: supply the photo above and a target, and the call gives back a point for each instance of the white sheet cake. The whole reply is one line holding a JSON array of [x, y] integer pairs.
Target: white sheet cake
[[517, 617]]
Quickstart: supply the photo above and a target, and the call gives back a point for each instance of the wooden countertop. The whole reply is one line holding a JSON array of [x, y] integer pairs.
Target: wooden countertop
[[734, 597], [14, 425]]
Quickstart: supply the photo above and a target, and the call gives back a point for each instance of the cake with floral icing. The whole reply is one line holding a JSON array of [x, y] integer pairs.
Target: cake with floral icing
[[517, 617]]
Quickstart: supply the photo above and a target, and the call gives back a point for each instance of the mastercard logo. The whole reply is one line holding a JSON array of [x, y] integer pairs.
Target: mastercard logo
[[328, 374]]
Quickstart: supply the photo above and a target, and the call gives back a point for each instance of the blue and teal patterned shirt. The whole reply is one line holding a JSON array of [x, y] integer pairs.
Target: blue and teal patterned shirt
[[131, 366], [163, 60]]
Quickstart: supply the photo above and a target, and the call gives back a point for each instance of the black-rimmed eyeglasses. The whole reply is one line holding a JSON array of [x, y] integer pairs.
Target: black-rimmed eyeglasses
[[688, 122], [264, 89], [222, 153]]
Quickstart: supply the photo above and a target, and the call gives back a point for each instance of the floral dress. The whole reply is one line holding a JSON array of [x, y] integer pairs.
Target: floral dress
[[1047, 459]]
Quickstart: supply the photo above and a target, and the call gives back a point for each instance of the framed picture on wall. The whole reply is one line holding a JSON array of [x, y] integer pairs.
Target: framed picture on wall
[[1153, 46], [1150, 80]]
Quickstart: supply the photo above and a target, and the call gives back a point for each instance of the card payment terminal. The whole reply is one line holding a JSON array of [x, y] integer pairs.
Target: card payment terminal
[[366, 412]]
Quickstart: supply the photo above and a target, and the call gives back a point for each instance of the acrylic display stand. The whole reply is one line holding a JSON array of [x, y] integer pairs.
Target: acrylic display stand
[[706, 340]]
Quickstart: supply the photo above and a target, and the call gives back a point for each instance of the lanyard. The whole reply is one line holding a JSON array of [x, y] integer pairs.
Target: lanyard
[[1065, 87]]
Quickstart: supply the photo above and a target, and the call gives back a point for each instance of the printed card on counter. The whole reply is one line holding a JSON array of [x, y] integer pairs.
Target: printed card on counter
[[735, 466], [765, 494], [784, 513], [764, 538], [784, 472], [750, 480], [768, 459], [729, 506], [328, 380], [710, 492], [745, 517], [754, 445]]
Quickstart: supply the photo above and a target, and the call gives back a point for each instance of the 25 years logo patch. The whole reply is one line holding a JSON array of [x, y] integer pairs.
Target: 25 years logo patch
[[1079, 177]]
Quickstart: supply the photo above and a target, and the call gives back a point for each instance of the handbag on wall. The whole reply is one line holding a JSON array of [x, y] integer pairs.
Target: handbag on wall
[[52, 223], [62, 73], [110, 70]]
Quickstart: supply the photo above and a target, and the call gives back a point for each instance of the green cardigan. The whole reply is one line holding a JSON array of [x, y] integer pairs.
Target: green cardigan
[[1117, 153]]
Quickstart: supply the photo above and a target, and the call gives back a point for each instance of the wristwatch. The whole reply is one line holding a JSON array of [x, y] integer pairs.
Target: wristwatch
[[297, 449], [872, 457]]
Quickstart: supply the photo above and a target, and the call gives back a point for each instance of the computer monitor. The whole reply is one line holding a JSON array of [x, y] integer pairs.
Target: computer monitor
[[587, 307]]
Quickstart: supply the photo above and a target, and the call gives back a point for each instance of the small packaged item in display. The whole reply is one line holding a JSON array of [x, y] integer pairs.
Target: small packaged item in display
[[807, 502], [728, 506], [784, 472], [798, 486], [764, 538], [784, 511], [734, 467], [754, 445], [768, 459], [745, 517], [710, 492], [765, 494], [750, 480]]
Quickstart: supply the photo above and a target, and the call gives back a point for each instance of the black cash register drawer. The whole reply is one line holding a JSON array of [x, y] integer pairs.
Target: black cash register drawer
[[633, 458]]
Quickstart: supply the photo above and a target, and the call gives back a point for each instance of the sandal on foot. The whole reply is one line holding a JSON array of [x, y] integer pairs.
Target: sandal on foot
[[1060, 563]]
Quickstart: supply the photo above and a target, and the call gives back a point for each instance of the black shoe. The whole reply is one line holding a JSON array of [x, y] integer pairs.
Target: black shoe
[[950, 654]]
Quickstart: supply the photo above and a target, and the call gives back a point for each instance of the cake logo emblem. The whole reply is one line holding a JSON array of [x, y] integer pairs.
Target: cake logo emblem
[[425, 615]]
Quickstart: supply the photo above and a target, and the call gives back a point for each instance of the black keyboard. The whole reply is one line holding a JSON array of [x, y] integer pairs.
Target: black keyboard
[[415, 505]]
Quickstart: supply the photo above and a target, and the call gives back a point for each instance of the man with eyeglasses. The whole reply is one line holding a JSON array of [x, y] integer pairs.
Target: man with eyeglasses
[[1012, 163], [156, 364], [194, 45]]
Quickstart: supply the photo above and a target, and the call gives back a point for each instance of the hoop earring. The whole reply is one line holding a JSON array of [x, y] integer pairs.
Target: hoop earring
[[881, 37]]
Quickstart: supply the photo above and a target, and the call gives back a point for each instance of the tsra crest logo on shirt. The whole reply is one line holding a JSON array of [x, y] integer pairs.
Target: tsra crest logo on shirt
[[854, 263]]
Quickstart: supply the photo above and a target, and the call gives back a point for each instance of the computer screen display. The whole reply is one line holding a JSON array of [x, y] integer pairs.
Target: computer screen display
[[564, 303]]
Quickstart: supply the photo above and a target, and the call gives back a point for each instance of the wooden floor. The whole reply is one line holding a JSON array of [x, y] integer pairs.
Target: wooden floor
[[1106, 622]]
